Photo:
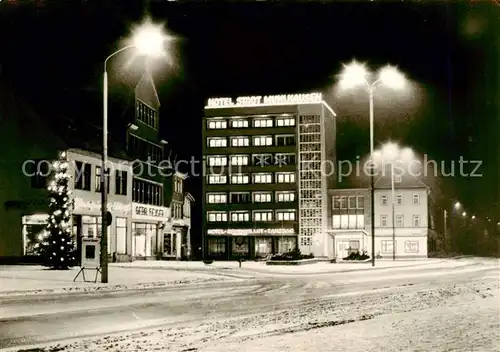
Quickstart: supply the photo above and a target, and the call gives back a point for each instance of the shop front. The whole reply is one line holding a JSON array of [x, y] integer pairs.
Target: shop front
[[86, 222], [148, 222], [233, 244]]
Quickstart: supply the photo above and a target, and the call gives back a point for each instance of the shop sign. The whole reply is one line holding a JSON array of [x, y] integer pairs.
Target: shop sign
[[250, 232], [95, 205], [282, 99], [149, 211]]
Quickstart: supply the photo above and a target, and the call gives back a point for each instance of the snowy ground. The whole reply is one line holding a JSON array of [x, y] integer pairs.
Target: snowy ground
[[445, 309], [23, 280]]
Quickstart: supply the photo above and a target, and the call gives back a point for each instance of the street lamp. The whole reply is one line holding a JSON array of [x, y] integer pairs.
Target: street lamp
[[354, 75], [148, 39], [457, 205], [391, 152]]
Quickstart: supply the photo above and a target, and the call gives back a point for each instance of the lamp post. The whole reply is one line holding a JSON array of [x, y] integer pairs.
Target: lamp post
[[354, 75], [148, 39]]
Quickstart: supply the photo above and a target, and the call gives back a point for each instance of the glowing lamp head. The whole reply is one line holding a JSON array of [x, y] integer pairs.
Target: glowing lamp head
[[464, 214], [354, 74], [390, 151], [407, 154], [149, 39], [392, 78], [457, 205], [473, 217]]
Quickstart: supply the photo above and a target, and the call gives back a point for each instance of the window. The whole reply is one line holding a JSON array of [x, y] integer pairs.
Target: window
[[263, 178], [346, 221], [383, 200], [284, 197], [262, 197], [147, 192], [416, 221], [217, 179], [399, 221], [239, 160], [144, 150], [399, 199], [217, 216], [416, 198], [398, 178], [411, 246], [217, 160], [216, 142], [240, 198], [121, 182], [285, 140], [217, 245], [216, 124], [343, 202], [121, 235], [284, 159], [262, 122], [383, 220], [83, 173], [262, 159], [216, 198], [239, 123], [239, 216], [146, 114], [285, 121], [98, 179], [361, 202], [285, 215], [259, 141], [39, 172], [240, 141], [387, 246], [177, 184], [285, 177], [352, 202], [266, 215], [240, 179]]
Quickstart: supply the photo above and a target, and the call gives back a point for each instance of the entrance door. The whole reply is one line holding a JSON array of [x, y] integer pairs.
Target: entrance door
[[170, 244], [342, 249]]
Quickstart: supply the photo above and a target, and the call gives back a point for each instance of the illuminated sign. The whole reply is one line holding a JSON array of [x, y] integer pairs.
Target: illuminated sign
[[283, 99], [249, 232], [151, 212], [95, 206]]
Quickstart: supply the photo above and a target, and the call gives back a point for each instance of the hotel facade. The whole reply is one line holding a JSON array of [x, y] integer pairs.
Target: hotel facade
[[264, 185]]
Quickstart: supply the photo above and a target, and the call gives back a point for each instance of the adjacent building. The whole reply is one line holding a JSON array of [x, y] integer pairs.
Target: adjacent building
[[265, 185]]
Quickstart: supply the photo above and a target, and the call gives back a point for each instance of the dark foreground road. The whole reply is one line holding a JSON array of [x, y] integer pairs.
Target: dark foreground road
[[197, 317]]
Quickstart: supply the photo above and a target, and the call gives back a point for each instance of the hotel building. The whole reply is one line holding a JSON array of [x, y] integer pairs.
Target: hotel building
[[264, 190]]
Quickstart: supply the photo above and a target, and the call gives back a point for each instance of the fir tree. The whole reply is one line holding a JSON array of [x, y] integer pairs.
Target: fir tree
[[57, 248]]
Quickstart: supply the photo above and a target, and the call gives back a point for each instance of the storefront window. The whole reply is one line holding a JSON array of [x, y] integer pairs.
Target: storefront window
[[144, 239], [121, 235], [263, 246], [286, 244], [240, 245], [217, 245], [33, 232]]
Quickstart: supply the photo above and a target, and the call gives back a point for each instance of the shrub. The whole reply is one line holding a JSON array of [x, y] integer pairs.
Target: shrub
[[357, 256], [208, 261], [292, 255]]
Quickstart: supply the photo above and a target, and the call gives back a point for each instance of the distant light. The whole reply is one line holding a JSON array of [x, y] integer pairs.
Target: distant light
[[457, 205], [163, 141], [464, 214], [473, 217], [392, 78], [133, 127], [354, 74]]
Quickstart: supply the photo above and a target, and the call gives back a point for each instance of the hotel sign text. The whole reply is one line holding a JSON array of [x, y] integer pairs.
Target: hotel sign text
[[249, 232], [283, 99]]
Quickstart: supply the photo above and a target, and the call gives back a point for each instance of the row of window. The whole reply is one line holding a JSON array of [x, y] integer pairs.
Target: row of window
[[255, 159], [258, 122], [257, 141], [146, 114], [144, 150], [415, 199], [348, 202], [351, 221], [247, 197], [83, 175], [399, 220], [257, 178], [410, 246], [257, 215], [147, 192]]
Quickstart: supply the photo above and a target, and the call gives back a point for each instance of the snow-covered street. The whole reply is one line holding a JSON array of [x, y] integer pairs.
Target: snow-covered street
[[452, 306]]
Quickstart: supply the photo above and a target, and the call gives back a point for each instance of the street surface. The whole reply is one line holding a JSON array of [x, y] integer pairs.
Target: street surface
[[399, 309]]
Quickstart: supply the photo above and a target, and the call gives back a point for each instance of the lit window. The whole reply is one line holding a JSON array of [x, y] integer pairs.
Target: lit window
[[285, 121], [216, 142], [217, 179], [240, 142], [262, 197], [383, 220], [383, 200], [259, 141], [240, 216], [146, 114], [284, 197], [217, 216], [343, 202], [416, 220], [285, 215], [239, 159], [262, 178], [217, 124], [416, 198], [239, 123], [399, 199], [217, 161], [263, 216], [285, 177], [263, 123], [240, 179], [399, 221], [217, 198]]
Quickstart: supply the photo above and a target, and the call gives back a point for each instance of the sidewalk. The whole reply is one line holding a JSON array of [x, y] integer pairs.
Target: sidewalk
[[23, 280]]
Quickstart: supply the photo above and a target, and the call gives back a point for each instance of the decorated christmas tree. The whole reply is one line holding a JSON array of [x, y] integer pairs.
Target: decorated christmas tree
[[57, 247]]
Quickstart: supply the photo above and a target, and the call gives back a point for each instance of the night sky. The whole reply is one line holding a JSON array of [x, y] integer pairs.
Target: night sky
[[52, 54]]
